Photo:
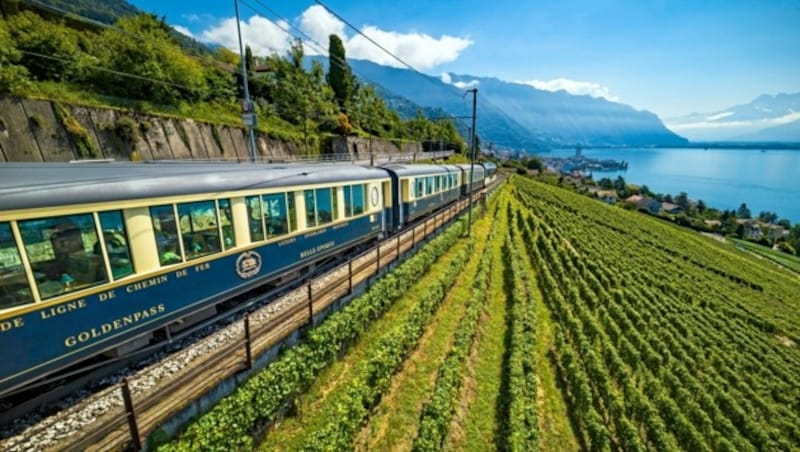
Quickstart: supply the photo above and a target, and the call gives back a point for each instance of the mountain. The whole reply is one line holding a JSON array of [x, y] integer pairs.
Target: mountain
[[513, 115], [784, 133], [766, 118]]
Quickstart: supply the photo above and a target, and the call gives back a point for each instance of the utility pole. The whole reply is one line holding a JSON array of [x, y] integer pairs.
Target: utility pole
[[248, 114], [474, 92]]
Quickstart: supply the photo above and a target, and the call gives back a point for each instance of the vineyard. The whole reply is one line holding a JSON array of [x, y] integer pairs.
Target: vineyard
[[559, 323]]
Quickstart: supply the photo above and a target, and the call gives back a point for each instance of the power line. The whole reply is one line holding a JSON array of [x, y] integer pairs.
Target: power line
[[403, 62], [333, 59], [103, 69], [412, 68]]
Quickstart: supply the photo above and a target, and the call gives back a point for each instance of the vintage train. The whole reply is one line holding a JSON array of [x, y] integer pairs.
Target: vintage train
[[95, 257]]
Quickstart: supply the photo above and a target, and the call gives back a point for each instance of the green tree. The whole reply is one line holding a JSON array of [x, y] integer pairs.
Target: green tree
[[682, 200], [339, 76], [12, 76], [167, 73], [701, 206], [534, 163], [743, 211], [53, 48]]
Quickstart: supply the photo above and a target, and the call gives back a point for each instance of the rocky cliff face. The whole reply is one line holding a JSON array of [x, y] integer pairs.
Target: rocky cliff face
[[45, 131]]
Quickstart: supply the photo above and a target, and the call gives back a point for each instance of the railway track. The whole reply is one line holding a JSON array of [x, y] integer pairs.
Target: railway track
[[121, 414]]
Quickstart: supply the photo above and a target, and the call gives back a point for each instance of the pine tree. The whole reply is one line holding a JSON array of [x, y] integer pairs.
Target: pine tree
[[339, 77]]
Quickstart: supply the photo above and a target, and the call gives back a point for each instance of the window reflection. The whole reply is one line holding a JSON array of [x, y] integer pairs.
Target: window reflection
[[116, 241], [14, 288], [199, 230], [63, 253], [166, 234]]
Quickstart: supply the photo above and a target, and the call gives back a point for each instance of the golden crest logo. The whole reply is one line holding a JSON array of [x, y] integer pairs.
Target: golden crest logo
[[248, 264]]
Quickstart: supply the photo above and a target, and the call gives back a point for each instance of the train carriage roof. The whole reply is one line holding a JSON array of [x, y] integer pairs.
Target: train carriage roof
[[466, 166], [404, 169], [31, 185]]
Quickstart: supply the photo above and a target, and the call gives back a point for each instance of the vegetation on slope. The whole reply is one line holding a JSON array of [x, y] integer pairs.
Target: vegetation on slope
[[589, 327], [139, 63]]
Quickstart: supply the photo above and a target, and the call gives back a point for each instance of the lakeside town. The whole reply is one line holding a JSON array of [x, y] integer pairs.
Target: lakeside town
[[575, 172]]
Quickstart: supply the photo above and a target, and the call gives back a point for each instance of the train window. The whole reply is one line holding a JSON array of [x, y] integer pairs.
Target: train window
[[311, 212], [292, 212], [324, 205], [420, 184], [255, 218], [226, 221], [437, 183], [63, 253], [116, 240], [275, 214], [354, 200], [166, 230], [429, 185], [14, 288], [199, 229], [358, 199]]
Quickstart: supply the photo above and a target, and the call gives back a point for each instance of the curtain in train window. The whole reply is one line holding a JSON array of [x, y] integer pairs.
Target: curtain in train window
[[14, 287], [255, 218], [311, 210], [166, 231], [226, 221], [292, 211], [275, 214], [116, 241], [335, 199], [64, 253], [348, 201]]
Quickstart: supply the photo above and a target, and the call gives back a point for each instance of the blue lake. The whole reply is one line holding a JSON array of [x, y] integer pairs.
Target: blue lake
[[722, 178]]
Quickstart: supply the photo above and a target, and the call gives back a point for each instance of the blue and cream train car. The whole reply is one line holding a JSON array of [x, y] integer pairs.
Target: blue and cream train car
[[418, 190], [490, 171], [96, 255], [475, 172]]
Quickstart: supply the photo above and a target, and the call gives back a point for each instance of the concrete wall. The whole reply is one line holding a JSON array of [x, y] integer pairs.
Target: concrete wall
[[43, 131]]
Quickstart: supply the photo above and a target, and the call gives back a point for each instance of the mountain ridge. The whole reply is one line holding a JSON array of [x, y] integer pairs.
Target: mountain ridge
[[761, 119], [515, 115]]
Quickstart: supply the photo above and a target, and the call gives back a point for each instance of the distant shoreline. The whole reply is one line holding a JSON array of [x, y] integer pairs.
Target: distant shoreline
[[704, 145]]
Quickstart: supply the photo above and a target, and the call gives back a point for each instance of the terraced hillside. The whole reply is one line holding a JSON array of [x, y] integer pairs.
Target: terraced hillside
[[559, 324]]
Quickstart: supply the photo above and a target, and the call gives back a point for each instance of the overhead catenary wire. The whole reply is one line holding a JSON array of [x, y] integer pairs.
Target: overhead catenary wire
[[427, 78], [310, 42]]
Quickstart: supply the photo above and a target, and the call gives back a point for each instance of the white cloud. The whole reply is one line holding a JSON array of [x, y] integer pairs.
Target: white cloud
[[319, 24], [448, 79], [758, 123], [420, 50], [183, 30], [573, 87], [717, 116], [262, 35]]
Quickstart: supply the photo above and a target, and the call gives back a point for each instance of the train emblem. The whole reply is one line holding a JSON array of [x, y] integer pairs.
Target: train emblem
[[248, 264]]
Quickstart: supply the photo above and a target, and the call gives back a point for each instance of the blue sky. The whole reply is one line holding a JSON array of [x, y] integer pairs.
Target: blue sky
[[669, 57]]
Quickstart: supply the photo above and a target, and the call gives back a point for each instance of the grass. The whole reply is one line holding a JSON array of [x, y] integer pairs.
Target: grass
[[476, 425], [396, 420], [314, 408], [780, 258]]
